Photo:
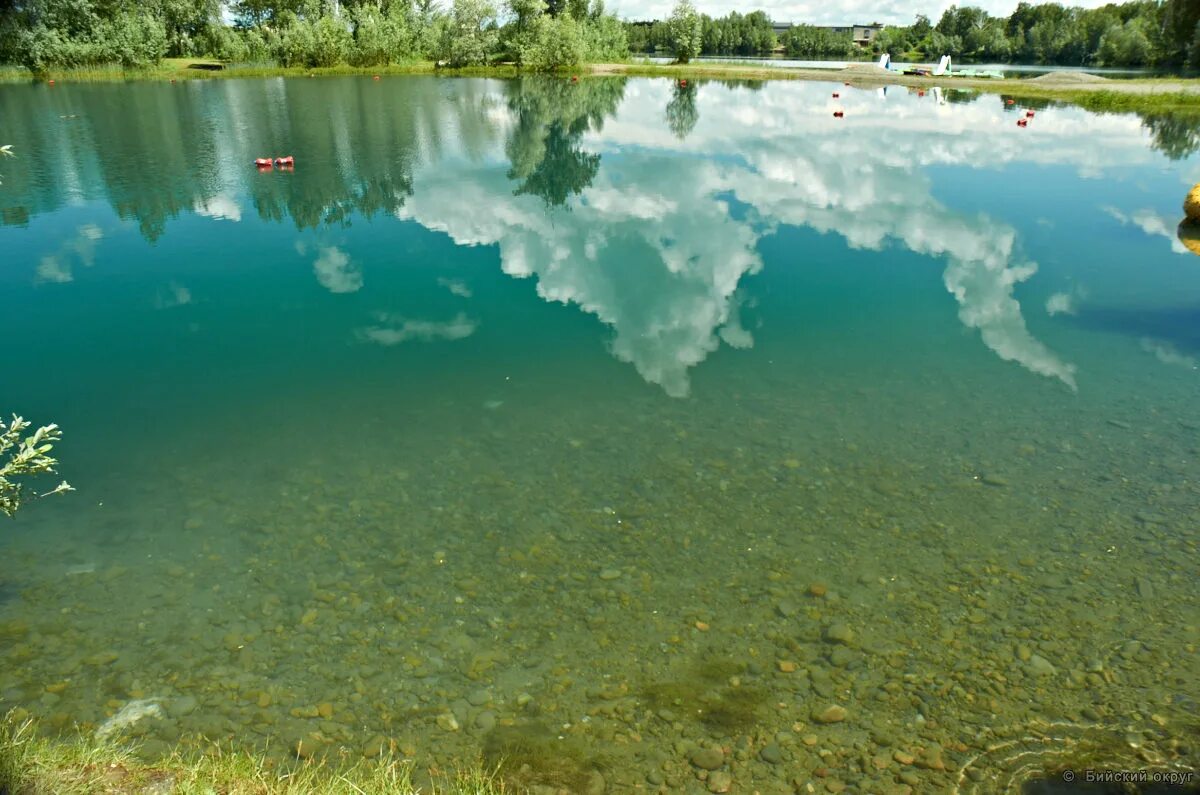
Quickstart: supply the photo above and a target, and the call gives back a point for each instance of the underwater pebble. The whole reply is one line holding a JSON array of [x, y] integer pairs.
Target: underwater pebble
[[839, 632], [1040, 666], [830, 714], [184, 705], [720, 781], [708, 758]]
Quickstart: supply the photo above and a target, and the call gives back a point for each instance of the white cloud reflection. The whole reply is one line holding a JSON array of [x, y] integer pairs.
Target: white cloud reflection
[[219, 207], [1060, 304], [667, 221], [1151, 223], [394, 329], [334, 270], [80, 249], [1166, 353]]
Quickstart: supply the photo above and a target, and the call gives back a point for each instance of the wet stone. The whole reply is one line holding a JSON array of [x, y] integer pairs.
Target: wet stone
[[772, 754], [184, 705], [720, 781], [839, 632], [833, 713], [1040, 666], [708, 758]]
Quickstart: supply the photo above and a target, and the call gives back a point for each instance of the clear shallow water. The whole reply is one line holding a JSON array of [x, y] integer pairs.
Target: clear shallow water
[[589, 425]]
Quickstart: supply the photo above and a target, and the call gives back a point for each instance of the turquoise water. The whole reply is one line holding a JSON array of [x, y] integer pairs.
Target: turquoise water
[[598, 426]]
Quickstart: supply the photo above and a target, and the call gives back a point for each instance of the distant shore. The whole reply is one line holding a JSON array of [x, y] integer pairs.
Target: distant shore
[[1089, 91]]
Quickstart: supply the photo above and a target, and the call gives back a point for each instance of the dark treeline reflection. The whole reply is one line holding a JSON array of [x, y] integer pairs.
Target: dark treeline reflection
[[544, 145], [156, 151], [681, 111], [1175, 135]]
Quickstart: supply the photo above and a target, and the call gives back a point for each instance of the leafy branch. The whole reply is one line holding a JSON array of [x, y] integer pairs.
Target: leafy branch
[[25, 456]]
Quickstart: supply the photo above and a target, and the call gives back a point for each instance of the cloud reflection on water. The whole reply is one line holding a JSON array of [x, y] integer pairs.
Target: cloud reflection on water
[[653, 249]]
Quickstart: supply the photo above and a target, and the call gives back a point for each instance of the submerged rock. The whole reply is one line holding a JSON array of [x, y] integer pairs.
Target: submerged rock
[[128, 715]]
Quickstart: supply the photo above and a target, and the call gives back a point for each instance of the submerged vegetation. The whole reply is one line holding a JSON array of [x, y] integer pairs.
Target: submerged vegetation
[[24, 456], [30, 763]]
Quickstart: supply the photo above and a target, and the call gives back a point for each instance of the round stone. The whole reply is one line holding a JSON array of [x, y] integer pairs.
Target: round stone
[[708, 758], [831, 714], [720, 781]]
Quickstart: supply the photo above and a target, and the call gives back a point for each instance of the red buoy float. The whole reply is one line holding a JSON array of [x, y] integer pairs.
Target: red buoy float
[[920, 92], [837, 114], [376, 77], [285, 162], [1029, 114], [683, 83], [836, 95], [51, 81], [1022, 122], [262, 162], [1010, 102]]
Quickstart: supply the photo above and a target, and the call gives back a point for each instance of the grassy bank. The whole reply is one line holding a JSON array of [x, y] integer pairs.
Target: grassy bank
[[206, 69], [34, 765]]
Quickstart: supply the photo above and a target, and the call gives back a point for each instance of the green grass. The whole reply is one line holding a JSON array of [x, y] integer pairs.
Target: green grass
[[194, 69], [1102, 101], [34, 765]]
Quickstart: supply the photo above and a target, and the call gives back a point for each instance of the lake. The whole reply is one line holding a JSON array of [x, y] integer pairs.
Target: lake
[[648, 437]]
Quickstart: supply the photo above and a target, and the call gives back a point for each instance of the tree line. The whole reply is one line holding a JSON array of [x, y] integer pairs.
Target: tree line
[[1138, 33], [536, 34], [548, 34]]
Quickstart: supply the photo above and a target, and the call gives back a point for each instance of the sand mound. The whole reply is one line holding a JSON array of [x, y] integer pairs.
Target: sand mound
[[1068, 77], [864, 69]]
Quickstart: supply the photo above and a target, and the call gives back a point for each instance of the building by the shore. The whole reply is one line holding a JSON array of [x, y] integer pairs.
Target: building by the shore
[[862, 35]]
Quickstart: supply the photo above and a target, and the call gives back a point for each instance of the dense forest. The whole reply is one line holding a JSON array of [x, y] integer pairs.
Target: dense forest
[[547, 34], [536, 34], [1139, 33]]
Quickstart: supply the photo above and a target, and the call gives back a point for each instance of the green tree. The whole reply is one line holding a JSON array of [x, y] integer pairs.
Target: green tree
[[686, 29], [557, 42], [1124, 45], [604, 37], [380, 37], [471, 36], [1180, 29]]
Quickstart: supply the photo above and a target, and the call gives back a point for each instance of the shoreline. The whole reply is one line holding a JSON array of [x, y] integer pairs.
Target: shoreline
[[1102, 94], [1097, 94]]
